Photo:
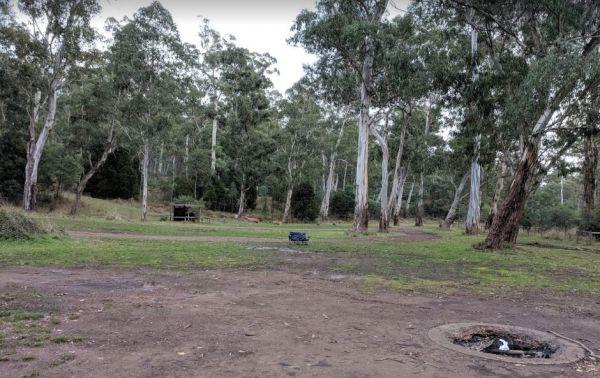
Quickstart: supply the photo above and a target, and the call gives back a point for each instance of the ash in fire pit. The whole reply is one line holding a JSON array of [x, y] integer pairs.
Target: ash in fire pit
[[506, 343], [502, 343]]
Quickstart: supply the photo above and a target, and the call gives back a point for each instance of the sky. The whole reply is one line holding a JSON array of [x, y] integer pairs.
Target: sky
[[258, 25]]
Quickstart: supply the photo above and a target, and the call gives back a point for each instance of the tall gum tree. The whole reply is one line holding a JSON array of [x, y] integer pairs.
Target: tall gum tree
[[298, 140], [148, 62], [96, 121], [559, 60], [47, 40], [347, 31]]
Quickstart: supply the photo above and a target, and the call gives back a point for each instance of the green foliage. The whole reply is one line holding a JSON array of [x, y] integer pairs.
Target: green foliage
[[374, 208], [118, 178], [14, 224], [342, 204], [304, 202], [12, 164], [592, 221]]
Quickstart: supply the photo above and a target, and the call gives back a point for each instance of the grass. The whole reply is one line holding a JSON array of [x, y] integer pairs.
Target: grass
[[127, 253], [63, 339], [447, 263], [218, 228], [62, 358]]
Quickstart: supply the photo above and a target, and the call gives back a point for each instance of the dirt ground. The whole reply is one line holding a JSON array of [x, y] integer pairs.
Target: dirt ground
[[269, 324]]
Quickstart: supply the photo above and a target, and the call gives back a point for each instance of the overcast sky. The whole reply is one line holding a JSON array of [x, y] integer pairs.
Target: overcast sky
[[259, 25]]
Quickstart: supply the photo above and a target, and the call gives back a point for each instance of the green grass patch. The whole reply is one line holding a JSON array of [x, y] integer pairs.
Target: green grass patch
[[63, 339], [127, 253], [63, 358]]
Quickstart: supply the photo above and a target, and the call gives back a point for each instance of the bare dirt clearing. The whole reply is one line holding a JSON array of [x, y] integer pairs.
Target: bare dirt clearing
[[147, 322]]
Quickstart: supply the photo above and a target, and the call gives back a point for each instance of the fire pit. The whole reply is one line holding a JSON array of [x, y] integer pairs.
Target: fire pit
[[506, 343]]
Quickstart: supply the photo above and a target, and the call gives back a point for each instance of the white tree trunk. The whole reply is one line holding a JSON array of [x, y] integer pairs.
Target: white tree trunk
[[361, 209], [173, 179], [397, 208], [288, 203], [472, 225], [324, 210], [383, 193], [187, 154], [35, 149], [213, 145], [393, 201], [160, 159], [408, 199], [451, 216], [145, 161]]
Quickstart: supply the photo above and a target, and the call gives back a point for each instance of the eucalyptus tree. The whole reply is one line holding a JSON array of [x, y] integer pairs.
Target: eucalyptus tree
[[249, 116], [334, 85], [94, 120], [298, 141], [212, 45], [558, 44], [148, 63], [41, 43], [347, 31], [457, 167]]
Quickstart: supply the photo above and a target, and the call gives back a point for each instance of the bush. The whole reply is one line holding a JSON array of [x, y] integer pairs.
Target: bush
[[119, 177], [304, 202], [374, 208], [218, 198], [15, 225], [341, 204], [563, 218], [591, 222]]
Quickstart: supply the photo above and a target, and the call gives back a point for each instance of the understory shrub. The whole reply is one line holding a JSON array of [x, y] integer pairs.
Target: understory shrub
[[304, 202], [15, 225], [341, 204]]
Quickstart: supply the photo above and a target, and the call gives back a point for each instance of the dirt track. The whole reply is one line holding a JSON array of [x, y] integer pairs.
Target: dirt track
[[270, 323]]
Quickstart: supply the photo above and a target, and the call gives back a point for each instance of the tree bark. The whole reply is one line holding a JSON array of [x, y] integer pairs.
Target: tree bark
[[383, 193], [288, 203], [187, 154], [590, 162], [361, 209], [109, 147], [396, 212], [160, 159], [145, 161], [393, 200], [36, 147], [419, 212], [213, 144], [451, 216], [498, 190], [242, 204], [324, 210], [472, 225], [505, 226], [408, 199]]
